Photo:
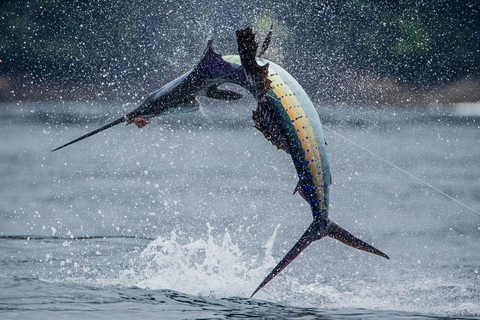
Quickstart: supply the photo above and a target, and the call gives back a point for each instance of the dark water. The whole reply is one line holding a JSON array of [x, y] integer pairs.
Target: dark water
[[183, 219]]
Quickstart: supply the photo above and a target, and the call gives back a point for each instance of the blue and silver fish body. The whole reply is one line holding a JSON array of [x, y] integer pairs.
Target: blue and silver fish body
[[287, 117], [180, 94], [306, 140]]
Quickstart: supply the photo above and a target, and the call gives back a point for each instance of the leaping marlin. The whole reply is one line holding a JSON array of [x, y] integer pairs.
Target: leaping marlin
[[287, 118], [284, 114]]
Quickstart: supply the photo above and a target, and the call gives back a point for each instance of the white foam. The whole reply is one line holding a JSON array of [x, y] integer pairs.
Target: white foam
[[207, 266], [214, 265]]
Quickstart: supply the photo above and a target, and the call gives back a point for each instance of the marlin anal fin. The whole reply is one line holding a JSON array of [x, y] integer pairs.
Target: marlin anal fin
[[316, 231], [222, 94], [299, 190]]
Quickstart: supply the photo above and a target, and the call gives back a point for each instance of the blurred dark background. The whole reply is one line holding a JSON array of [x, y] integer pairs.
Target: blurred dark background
[[357, 51]]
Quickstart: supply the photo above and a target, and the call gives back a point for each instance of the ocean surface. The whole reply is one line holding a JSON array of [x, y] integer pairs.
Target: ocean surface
[[184, 218]]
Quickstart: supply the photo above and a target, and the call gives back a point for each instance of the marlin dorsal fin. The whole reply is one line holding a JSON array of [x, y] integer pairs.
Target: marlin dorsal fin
[[247, 50]]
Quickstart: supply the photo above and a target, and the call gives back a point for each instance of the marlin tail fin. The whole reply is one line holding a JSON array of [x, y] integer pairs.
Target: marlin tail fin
[[111, 124], [315, 232]]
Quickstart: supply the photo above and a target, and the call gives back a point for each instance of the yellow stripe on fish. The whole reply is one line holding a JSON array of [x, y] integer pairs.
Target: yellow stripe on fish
[[303, 129], [282, 92]]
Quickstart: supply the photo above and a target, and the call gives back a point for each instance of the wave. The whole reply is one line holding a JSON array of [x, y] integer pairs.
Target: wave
[[22, 296], [213, 268], [204, 267]]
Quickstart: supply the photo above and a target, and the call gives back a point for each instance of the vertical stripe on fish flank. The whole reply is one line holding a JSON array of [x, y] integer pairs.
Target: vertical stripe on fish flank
[[306, 136]]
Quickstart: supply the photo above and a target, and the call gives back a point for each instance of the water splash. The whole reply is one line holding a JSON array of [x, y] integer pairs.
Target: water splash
[[207, 266], [213, 265]]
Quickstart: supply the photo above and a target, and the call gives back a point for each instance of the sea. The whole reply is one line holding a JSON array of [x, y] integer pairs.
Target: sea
[[184, 218]]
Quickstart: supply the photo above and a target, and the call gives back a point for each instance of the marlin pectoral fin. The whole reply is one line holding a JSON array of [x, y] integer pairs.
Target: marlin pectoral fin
[[221, 94], [318, 231], [111, 124]]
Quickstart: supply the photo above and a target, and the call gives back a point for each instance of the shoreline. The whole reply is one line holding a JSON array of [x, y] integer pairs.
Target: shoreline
[[366, 92]]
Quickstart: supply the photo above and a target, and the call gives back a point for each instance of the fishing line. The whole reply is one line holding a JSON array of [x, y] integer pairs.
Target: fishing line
[[401, 170], [390, 164]]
